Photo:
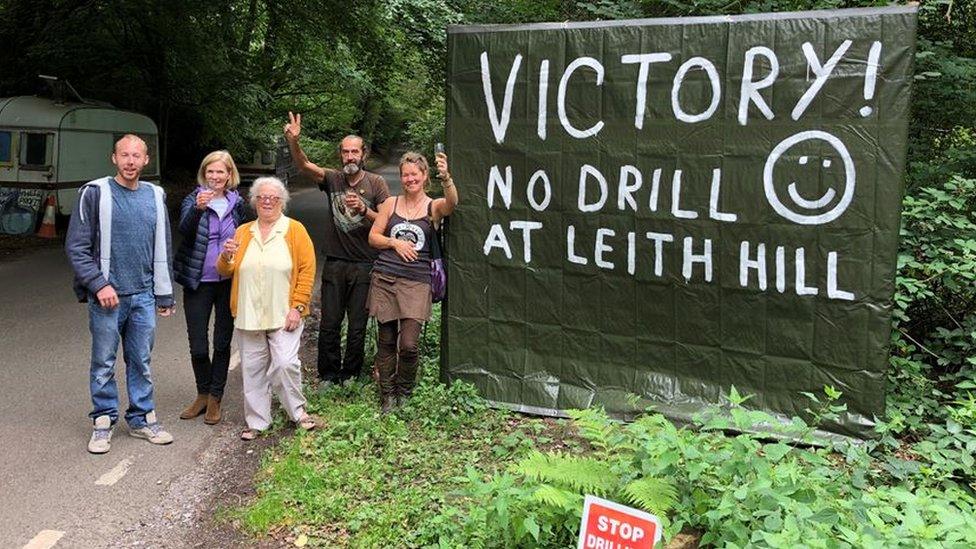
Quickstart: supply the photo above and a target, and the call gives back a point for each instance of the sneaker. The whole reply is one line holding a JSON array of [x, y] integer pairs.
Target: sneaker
[[101, 439], [153, 431]]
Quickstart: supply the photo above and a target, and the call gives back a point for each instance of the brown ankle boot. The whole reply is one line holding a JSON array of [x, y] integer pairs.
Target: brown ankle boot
[[213, 411], [196, 408]]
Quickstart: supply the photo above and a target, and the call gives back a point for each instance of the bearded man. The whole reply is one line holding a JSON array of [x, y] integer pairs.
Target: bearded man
[[354, 197]]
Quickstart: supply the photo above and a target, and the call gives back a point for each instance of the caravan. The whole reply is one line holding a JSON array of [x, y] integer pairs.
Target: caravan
[[55, 146]]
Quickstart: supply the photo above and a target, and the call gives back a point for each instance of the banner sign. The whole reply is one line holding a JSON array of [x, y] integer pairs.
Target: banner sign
[[669, 207], [609, 525]]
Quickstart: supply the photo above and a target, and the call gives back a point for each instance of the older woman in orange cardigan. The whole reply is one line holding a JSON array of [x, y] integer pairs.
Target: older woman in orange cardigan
[[272, 263]]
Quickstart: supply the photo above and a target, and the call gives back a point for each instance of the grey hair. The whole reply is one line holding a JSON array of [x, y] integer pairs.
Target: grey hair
[[362, 142], [269, 182]]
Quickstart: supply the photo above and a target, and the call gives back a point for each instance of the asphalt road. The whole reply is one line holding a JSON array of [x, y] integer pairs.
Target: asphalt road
[[54, 493], [50, 482]]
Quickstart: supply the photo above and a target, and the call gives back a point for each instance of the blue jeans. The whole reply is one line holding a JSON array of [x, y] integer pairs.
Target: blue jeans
[[134, 321]]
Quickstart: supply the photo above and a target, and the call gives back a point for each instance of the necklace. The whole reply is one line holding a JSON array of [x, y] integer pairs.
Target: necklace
[[412, 212]]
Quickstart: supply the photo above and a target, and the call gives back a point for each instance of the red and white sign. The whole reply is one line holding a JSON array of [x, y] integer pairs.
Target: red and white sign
[[609, 525]]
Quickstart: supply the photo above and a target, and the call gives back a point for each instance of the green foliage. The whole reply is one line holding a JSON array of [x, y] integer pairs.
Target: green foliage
[[735, 490], [447, 472], [653, 494], [225, 73], [488, 485], [366, 480], [583, 474], [546, 490], [934, 337]]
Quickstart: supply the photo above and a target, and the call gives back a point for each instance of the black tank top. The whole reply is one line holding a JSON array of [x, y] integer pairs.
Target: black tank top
[[417, 231]]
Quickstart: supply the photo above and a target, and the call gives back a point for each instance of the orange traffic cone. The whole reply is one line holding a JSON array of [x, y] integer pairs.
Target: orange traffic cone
[[47, 229]]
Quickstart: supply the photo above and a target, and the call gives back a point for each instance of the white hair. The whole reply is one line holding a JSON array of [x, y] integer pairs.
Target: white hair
[[262, 182]]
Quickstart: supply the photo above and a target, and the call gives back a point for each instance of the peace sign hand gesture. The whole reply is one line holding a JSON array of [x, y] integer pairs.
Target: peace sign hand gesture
[[294, 126]]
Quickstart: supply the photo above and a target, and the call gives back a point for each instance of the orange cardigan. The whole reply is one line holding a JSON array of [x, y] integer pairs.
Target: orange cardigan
[[302, 261]]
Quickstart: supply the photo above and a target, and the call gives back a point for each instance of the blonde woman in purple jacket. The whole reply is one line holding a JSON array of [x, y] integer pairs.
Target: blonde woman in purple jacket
[[208, 216]]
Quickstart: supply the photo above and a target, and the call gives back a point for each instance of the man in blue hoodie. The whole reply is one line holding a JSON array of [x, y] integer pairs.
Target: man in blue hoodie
[[119, 247]]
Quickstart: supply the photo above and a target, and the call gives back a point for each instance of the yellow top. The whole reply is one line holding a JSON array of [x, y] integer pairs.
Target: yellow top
[[302, 261], [264, 277]]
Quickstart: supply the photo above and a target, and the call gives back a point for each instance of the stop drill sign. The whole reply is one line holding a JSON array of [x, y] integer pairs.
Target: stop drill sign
[[609, 525]]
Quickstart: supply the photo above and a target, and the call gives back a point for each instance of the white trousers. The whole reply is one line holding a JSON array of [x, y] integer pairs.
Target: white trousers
[[269, 362]]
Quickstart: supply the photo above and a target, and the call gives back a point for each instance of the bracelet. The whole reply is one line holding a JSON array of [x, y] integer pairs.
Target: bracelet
[[449, 182]]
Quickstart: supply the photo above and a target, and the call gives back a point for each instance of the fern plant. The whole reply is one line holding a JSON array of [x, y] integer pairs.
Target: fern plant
[[538, 502], [558, 482], [654, 495], [579, 473], [604, 435]]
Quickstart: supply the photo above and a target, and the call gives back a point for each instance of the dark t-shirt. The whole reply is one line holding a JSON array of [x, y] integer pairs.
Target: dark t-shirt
[[347, 236]]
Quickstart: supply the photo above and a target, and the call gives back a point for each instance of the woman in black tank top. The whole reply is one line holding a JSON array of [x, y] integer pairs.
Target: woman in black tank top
[[399, 293]]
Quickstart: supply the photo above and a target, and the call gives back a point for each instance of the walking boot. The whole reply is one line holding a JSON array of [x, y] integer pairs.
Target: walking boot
[[198, 407], [386, 384], [213, 411], [405, 381], [387, 403]]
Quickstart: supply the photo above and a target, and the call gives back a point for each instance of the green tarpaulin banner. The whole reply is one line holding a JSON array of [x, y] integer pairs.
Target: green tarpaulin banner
[[656, 210]]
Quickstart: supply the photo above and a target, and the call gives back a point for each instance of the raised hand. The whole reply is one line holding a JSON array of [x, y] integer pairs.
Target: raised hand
[[442, 170], [203, 199], [294, 126]]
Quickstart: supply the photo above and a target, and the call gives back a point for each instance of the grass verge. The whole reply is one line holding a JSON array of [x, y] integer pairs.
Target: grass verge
[[446, 471]]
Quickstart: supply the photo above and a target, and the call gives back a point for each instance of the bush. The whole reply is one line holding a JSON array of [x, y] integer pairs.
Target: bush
[[736, 490]]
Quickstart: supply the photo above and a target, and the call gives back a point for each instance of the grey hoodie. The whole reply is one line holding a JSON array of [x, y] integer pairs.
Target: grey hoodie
[[89, 242]]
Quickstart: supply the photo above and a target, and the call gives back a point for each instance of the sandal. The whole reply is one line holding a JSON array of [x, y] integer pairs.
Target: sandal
[[249, 434], [307, 422]]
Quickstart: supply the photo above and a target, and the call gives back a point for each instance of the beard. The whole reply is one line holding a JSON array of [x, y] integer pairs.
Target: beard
[[351, 168]]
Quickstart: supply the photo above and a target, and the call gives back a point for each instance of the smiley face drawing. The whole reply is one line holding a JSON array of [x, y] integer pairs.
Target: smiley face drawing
[[802, 210]]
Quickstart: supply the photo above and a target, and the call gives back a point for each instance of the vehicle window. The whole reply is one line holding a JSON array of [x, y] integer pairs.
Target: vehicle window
[[35, 151], [6, 140]]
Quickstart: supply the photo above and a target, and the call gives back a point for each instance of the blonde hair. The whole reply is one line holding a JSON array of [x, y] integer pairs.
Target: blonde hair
[[219, 156], [262, 182], [416, 159]]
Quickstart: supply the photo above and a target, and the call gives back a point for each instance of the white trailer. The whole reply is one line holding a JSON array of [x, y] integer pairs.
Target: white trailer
[[56, 146]]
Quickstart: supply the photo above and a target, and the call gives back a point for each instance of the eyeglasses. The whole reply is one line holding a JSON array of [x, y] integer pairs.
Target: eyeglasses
[[268, 198]]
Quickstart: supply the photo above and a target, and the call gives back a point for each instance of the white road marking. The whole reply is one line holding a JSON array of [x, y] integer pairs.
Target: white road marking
[[45, 539], [115, 474]]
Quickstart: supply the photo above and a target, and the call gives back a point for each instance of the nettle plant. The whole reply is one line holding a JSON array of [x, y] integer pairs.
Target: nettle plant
[[734, 490], [933, 361]]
